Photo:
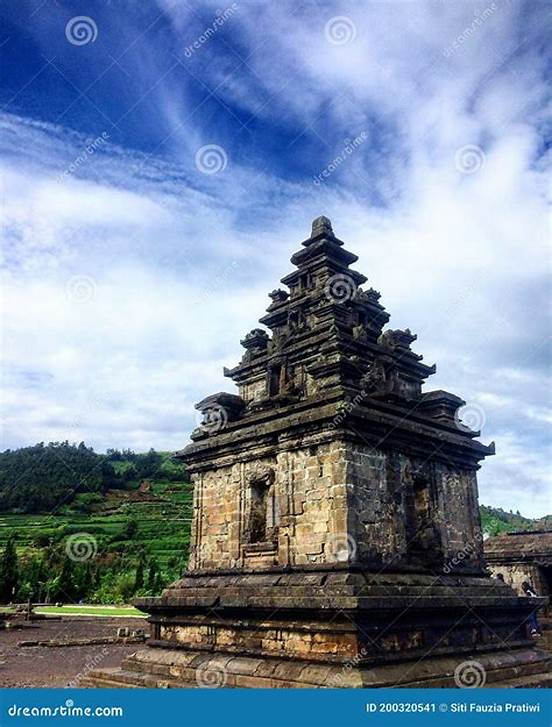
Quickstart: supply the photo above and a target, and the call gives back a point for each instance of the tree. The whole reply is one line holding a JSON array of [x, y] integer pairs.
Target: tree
[[64, 584], [8, 571], [159, 583], [140, 568], [36, 479], [147, 465], [130, 529], [152, 573]]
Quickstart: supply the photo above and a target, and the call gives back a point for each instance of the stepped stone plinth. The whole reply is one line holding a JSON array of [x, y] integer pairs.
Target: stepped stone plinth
[[336, 539]]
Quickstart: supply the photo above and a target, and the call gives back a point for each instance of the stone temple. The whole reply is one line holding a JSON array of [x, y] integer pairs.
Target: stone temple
[[336, 538]]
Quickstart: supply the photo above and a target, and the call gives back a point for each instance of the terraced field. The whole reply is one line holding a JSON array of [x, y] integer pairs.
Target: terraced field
[[163, 517]]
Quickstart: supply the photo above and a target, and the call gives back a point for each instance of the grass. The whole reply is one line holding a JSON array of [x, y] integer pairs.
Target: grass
[[126, 611]]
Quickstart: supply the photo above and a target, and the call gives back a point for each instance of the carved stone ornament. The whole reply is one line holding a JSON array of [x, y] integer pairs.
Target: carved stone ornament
[[260, 475]]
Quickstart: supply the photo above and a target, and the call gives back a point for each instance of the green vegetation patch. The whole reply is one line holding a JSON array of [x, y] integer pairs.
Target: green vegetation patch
[[103, 546], [91, 611]]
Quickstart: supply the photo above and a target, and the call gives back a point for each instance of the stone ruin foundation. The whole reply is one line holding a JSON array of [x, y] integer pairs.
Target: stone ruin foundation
[[336, 538]]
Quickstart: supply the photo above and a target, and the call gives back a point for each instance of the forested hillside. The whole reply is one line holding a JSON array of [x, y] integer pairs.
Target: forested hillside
[[46, 478], [495, 520], [120, 527]]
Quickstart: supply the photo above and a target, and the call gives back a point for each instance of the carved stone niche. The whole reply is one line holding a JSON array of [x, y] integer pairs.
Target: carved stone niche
[[373, 381], [425, 546], [260, 532]]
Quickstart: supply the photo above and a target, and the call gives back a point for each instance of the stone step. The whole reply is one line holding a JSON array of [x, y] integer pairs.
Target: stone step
[[511, 666], [119, 678], [539, 680], [175, 670]]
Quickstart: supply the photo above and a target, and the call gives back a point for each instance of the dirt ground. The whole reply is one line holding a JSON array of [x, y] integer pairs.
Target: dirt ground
[[42, 666]]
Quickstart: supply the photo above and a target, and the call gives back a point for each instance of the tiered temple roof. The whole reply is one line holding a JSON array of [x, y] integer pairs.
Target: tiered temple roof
[[327, 343]]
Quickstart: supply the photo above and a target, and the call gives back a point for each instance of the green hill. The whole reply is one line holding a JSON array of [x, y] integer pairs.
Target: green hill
[[495, 520], [127, 536]]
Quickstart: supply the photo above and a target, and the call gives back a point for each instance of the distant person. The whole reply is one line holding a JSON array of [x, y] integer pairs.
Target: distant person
[[533, 623], [500, 577]]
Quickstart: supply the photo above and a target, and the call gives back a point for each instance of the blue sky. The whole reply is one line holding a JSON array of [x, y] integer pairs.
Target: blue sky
[[162, 160]]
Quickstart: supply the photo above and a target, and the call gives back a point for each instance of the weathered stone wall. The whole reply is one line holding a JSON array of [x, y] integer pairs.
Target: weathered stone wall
[[516, 573], [334, 502], [460, 522], [307, 515], [377, 530], [216, 518], [272, 638], [382, 509], [313, 504], [254, 390]]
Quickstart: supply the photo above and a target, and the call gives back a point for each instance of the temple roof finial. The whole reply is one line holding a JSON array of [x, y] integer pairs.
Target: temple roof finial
[[322, 225]]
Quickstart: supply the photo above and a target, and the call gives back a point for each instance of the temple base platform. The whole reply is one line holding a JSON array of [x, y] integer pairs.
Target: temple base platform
[[341, 628]]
